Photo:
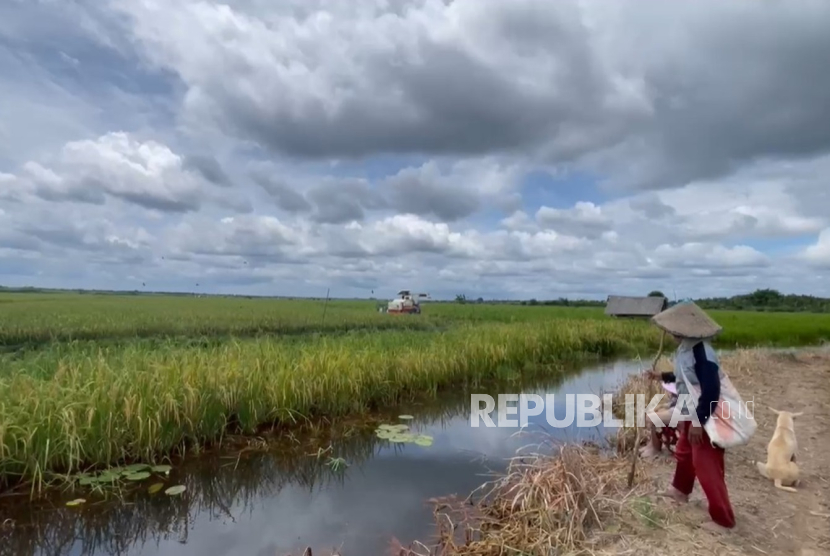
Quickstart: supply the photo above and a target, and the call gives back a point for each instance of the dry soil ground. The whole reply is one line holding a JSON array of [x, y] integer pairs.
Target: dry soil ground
[[770, 521]]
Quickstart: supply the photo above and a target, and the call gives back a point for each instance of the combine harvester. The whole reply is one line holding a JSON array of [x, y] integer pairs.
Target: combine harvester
[[406, 303]]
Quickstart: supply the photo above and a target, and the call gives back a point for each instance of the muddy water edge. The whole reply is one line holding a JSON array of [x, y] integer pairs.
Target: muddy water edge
[[335, 486]]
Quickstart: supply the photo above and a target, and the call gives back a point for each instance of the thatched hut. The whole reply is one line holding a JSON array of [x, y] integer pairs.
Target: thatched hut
[[635, 307]]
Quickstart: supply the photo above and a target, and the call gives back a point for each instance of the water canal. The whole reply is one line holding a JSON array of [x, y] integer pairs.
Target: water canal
[[278, 500]]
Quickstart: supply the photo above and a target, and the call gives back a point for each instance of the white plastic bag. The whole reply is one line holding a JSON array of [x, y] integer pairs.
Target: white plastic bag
[[731, 423]]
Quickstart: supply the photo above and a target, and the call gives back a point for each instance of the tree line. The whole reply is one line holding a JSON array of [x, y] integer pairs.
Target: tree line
[[760, 300]]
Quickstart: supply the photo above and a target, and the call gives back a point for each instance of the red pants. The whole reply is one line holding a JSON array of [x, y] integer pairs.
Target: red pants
[[706, 463]]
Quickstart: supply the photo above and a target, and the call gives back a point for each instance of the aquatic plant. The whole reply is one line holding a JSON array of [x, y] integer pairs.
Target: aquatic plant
[[401, 434], [175, 490], [113, 475]]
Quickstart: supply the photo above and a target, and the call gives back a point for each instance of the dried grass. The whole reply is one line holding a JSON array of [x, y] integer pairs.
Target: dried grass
[[570, 501], [543, 505], [626, 437]]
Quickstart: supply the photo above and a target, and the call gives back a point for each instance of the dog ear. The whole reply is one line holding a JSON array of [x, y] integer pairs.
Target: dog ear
[[799, 414], [775, 411]]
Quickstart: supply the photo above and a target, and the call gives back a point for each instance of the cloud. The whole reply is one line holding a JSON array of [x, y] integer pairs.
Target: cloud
[[116, 165], [341, 201], [286, 197], [450, 193], [583, 220], [818, 255], [208, 167], [657, 95], [432, 78], [502, 149]]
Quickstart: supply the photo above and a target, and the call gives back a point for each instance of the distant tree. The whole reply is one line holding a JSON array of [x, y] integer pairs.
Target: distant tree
[[461, 298], [480, 300], [656, 293]]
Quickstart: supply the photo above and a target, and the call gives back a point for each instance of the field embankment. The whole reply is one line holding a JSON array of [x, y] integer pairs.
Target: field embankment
[[99, 380], [579, 501]]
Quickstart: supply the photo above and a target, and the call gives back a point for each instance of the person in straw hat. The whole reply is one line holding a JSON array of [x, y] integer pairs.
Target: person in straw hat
[[696, 361]]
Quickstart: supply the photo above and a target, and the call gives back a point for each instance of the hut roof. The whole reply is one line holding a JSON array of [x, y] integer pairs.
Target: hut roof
[[635, 306]]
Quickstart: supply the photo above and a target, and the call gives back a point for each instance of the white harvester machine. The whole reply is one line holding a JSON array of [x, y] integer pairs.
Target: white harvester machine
[[406, 303]]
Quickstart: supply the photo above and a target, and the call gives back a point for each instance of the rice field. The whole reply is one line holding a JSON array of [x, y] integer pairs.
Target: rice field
[[105, 379]]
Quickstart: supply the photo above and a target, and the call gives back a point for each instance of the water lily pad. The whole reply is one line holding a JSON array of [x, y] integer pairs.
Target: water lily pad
[[106, 478], [175, 490], [76, 502], [136, 467], [423, 440], [405, 417], [155, 488], [402, 438], [140, 476], [161, 468], [86, 481]]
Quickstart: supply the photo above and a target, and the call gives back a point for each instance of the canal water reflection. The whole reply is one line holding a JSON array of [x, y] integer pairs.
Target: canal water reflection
[[277, 501]]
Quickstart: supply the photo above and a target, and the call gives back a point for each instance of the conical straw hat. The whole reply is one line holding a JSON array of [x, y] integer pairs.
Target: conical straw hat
[[687, 320]]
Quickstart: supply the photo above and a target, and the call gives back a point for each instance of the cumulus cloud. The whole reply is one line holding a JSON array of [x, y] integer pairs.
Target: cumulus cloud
[[659, 95], [460, 77], [819, 254], [583, 220], [286, 197], [517, 149], [116, 165]]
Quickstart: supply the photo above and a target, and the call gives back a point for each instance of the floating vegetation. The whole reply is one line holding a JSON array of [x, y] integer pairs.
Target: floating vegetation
[[402, 435], [155, 488], [133, 473], [175, 490], [76, 502], [406, 417], [337, 463]]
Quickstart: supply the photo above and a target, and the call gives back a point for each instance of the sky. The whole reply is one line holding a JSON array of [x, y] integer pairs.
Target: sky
[[510, 150]]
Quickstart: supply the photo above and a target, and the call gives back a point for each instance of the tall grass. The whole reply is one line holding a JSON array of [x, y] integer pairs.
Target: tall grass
[[130, 403]]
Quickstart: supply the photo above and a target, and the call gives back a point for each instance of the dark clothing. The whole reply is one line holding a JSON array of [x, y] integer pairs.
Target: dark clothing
[[708, 373]]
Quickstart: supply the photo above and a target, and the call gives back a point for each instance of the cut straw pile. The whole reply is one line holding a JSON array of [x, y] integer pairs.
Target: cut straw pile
[[626, 436], [543, 505]]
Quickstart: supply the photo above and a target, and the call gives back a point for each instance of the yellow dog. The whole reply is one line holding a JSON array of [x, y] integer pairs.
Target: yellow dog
[[780, 466]]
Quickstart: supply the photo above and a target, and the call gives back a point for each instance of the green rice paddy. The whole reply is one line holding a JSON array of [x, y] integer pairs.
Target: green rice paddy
[[116, 380]]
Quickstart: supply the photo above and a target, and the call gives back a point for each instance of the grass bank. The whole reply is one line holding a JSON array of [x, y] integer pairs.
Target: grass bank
[[71, 406]]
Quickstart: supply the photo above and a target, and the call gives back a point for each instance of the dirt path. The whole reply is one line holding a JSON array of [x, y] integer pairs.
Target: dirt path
[[770, 521]]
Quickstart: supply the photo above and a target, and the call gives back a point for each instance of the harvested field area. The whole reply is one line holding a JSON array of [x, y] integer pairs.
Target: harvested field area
[[770, 521], [577, 501]]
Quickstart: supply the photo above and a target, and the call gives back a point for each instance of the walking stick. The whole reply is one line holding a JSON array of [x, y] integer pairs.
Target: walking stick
[[636, 451]]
